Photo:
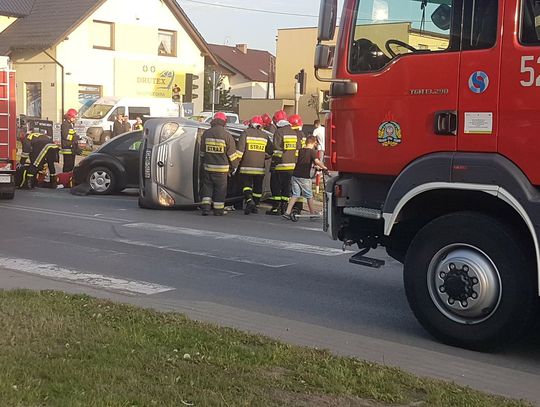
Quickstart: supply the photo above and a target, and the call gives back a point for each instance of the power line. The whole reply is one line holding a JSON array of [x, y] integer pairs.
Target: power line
[[251, 9]]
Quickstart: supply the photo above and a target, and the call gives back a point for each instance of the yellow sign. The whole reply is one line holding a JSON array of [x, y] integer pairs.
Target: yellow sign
[[147, 79]]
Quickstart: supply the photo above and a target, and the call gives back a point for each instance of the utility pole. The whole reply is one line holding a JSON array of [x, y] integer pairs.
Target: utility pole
[[213, 92]]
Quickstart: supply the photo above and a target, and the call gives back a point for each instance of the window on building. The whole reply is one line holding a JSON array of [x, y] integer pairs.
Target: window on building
[[103, 35], [530, 22], [135, 112], [167, 43], [88, 94], [33, 99]]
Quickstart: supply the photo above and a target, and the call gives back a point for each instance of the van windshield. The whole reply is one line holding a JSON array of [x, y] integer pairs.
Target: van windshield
[[97, 111]]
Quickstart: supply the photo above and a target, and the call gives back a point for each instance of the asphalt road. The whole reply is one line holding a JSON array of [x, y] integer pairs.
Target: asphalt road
[[258, 273]]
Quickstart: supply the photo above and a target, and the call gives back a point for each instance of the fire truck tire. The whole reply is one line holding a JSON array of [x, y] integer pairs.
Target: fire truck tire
[[470, 282], [102, 180]]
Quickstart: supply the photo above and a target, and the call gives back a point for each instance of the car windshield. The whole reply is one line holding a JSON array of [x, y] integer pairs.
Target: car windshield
[[97, 111]]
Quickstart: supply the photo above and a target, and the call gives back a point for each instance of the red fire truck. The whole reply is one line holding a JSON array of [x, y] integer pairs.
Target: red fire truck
[[435, 133], [8, 130]]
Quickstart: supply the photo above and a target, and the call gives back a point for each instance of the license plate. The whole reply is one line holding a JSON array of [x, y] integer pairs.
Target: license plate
[[5, 179], [147, 163]]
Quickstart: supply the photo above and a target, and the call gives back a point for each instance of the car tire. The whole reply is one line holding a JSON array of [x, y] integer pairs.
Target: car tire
[[105, 136], [7, 195], [144, 205], [470, 281], [102, 180]]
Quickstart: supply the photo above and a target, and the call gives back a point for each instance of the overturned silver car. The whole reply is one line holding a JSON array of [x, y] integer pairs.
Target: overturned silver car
[[170, 169]]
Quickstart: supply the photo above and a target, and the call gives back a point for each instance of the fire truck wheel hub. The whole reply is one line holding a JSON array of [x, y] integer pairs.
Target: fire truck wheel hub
[[464, 284]]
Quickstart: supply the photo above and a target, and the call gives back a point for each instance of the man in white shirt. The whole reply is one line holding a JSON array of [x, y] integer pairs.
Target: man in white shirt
[[319, 133]]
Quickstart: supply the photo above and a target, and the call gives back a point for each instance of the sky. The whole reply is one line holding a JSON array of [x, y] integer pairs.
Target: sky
[[228, 26]]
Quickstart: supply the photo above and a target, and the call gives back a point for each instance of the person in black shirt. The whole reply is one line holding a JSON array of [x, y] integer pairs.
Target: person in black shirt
[[301, 178]]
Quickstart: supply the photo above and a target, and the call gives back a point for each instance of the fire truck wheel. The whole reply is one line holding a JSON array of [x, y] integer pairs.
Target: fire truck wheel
[[470, 282], [101, 180]]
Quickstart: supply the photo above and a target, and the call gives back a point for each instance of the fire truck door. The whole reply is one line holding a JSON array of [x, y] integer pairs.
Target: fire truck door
[[404, 56], [519, 125], [480, 76]]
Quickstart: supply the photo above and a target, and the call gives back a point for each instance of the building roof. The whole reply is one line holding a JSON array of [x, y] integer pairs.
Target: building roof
[[18, 8], [43, 24], [254, 64]]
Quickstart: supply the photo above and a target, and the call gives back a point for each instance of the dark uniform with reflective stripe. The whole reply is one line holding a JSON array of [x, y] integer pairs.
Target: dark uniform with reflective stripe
[[253, 148], [37, 150], [70, 145], [218, 150], [287, 142]]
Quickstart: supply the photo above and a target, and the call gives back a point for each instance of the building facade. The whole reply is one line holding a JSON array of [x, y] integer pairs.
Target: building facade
[[122, 48]]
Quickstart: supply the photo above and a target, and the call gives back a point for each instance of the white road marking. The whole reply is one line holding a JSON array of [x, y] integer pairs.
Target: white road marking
[[189, 252], [65, 214], [55, 271], [256, 241]]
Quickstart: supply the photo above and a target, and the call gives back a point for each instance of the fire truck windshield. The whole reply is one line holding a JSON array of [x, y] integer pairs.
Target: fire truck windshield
[[385, 29]]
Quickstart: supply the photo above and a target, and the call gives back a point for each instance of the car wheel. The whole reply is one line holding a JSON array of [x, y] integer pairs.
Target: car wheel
[[470, 282], [105, 136], [7, 195], [101, 180]]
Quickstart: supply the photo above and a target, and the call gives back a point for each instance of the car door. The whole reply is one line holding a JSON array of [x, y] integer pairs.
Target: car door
[[520, 87], [128, 153], [406, 101]]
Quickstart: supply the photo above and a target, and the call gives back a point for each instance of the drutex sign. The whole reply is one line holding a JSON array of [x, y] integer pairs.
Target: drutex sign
[[141, 79]]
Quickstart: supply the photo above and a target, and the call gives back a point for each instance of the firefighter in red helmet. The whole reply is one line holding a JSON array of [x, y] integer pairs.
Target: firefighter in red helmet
[[253, 147], [219, 157], [268, 125], [70, 140], [285, 149]]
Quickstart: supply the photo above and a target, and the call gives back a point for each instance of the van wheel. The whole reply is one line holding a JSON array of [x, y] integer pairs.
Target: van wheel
[[470, 282], [101, 180]]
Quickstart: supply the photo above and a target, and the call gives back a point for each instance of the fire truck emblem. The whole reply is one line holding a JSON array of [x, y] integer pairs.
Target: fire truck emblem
[[389, 134], [478, 82]]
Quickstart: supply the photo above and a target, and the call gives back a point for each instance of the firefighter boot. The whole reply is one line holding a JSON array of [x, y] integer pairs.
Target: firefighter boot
[[275, 210], [53, 184], [30, 182], [206, 207], [250, 207]]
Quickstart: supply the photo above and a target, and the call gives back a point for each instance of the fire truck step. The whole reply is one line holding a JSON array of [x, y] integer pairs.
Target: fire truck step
[[362, 260]]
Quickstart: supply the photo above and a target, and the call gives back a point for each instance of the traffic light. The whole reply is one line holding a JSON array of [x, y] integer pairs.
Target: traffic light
[[301, 78], [191, 87], [176, 93]]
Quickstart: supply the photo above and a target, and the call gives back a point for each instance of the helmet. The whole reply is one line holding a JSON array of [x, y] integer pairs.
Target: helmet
[[267, 120], [71, 114], [280, 115], [220, 116], [257, 121], [296, 121]]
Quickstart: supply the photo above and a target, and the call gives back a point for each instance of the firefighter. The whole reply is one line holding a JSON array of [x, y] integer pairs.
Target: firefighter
[[268, 125], [70, 140], [253, 147], [297, 124], [219, 160], [138, 124], [285, 149], [37, 150]]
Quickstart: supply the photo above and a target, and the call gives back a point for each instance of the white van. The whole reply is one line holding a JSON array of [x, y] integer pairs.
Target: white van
[[99, 118]]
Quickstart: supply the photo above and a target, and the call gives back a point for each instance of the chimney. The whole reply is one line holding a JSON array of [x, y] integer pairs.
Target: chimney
[[242, 47]]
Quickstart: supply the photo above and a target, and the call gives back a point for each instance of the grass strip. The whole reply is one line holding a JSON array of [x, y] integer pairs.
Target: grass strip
[[72, 350]]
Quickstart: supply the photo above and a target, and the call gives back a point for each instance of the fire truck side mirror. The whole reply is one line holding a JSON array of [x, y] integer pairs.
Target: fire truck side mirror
[[324, 57], [327, 20]]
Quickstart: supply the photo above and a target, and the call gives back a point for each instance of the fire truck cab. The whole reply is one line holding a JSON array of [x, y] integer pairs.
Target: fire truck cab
[[435, 133]]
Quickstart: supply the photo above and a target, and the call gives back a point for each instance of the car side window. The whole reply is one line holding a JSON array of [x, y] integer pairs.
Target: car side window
[[530, 22], [116, 112], [130, 143], [141, 112], [480, 24]]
